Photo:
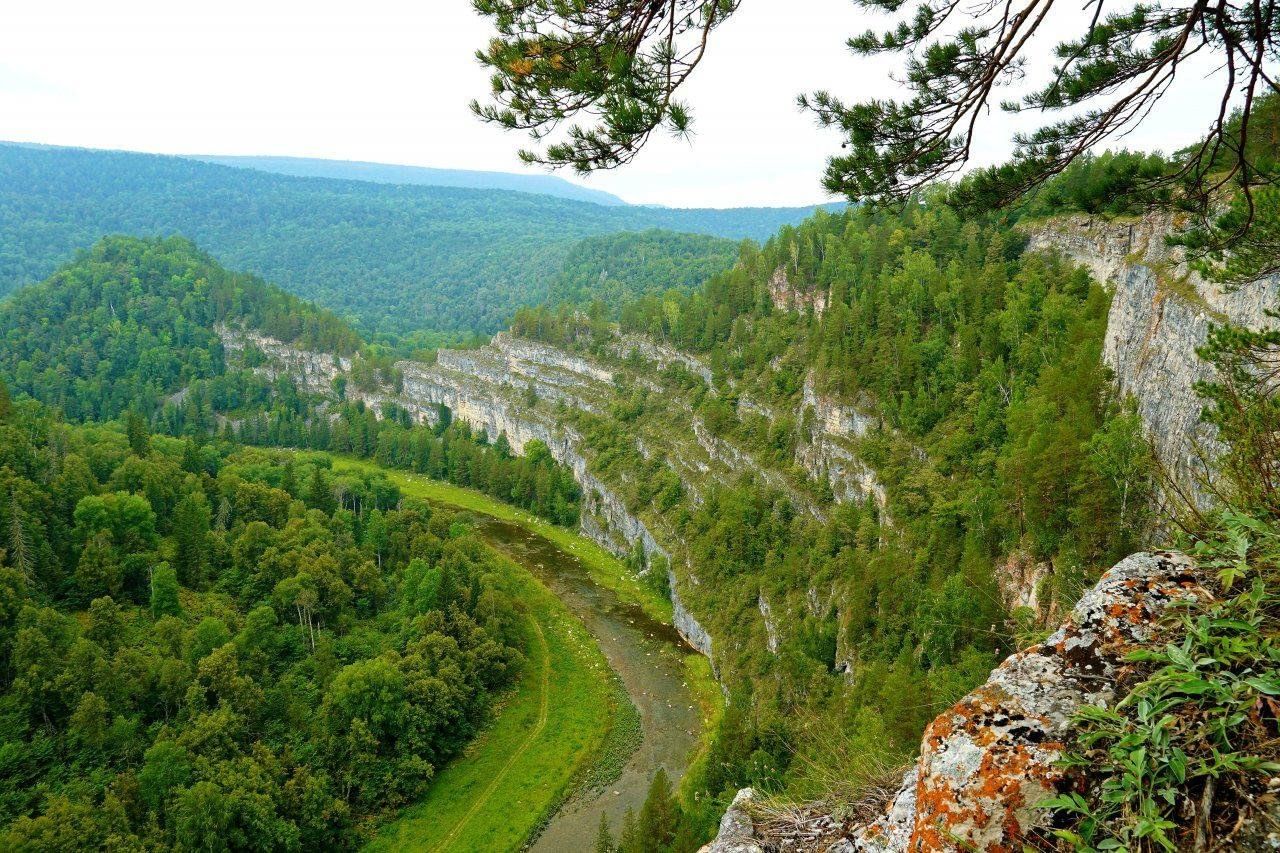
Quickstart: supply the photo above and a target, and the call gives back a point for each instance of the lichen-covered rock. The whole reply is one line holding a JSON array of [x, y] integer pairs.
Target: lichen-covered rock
[[737, 832], [987, 763], [892, 830]]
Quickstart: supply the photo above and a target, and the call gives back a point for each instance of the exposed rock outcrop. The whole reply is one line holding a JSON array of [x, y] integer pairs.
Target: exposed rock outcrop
[[1160, 313], [1021, 579], [828, 448], [787, 297], [772, 640], [516, 387], [737, 832], [987, 762], [660, 355]]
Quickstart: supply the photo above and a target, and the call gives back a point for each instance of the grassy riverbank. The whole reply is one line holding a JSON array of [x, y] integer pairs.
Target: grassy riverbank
[[548, 732], [583, 714]]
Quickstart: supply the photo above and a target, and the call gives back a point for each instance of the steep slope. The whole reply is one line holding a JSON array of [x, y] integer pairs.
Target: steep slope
[[396, 257], [1159, 317], [389, 173], [829, 491], [987, 762], [856, 456], [616, 269]]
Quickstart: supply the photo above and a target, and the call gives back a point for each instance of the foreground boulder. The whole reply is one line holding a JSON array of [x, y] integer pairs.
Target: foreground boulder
[[987, 762]]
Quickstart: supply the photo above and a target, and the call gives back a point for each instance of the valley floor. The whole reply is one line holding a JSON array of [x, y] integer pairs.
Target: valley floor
[[610, 693]]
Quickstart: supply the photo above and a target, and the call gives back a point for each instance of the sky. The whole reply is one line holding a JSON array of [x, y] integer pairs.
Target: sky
[[389, 81]]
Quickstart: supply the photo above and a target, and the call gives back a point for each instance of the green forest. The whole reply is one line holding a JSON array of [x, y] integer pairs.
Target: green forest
[[394, 258], [208, 647], [211, 639], [616, 269], [131, 321]]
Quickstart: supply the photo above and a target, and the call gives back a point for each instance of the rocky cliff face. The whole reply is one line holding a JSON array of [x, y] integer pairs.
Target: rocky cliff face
[[829, 449], [1160, 314], [988, 761], [487, 389], [523, 388]]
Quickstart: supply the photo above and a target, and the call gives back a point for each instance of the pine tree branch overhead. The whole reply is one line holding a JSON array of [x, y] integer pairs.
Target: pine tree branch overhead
[[611, 70]]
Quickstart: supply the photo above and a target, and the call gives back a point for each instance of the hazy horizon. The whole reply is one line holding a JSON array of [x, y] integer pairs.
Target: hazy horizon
[[341, 84]]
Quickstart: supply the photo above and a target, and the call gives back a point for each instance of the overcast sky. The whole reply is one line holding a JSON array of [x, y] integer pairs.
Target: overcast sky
[[389, 81]]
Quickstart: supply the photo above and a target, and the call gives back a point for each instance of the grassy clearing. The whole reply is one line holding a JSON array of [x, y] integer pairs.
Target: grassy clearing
[[606, 570], [548, 732]]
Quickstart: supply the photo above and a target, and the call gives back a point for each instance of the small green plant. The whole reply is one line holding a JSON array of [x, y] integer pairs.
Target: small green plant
[[1200, 726]]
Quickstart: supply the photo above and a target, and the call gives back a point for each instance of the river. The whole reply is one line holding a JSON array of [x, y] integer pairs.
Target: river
[[648, 657]]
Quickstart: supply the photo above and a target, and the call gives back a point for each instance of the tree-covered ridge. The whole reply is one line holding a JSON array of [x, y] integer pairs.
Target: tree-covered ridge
[[131, 325], [204, 647], [999, 439], [618, 268], [131, 321], [396, 258]]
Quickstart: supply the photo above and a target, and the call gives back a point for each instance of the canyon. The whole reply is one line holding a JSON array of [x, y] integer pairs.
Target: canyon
[[1161, 312]]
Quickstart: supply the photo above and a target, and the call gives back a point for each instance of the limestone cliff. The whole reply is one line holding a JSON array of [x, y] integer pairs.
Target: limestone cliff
[[486, 389], [1160, 313], [786, 296], [526, 390]]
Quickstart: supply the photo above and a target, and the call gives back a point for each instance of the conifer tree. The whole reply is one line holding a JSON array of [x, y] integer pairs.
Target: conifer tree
[[604, 838], [629, 840], [164, 592], [191, 521], [319, 493], [592, 81], [135, 426], [660, 815], [6, 402]]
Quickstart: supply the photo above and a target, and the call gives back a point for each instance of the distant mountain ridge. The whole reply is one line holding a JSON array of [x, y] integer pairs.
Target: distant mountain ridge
[[390, 173], [396, 258]]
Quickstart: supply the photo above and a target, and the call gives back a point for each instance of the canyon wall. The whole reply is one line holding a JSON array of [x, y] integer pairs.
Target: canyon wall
[[487, 389], [985, 763], [522, 389], [1161, 312]]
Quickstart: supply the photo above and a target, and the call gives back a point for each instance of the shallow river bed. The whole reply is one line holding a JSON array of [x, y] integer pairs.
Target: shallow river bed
[[648, 657]]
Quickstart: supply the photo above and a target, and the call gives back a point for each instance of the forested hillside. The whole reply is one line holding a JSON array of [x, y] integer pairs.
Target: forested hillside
[[132, 326], [993, 432], [396, 258], [618, 268], [207, 648], [131, 321]]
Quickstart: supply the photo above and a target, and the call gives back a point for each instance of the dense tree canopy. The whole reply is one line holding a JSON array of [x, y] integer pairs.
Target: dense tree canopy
[[998, 438], [131, 321], [617, 268], [215, 648]]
